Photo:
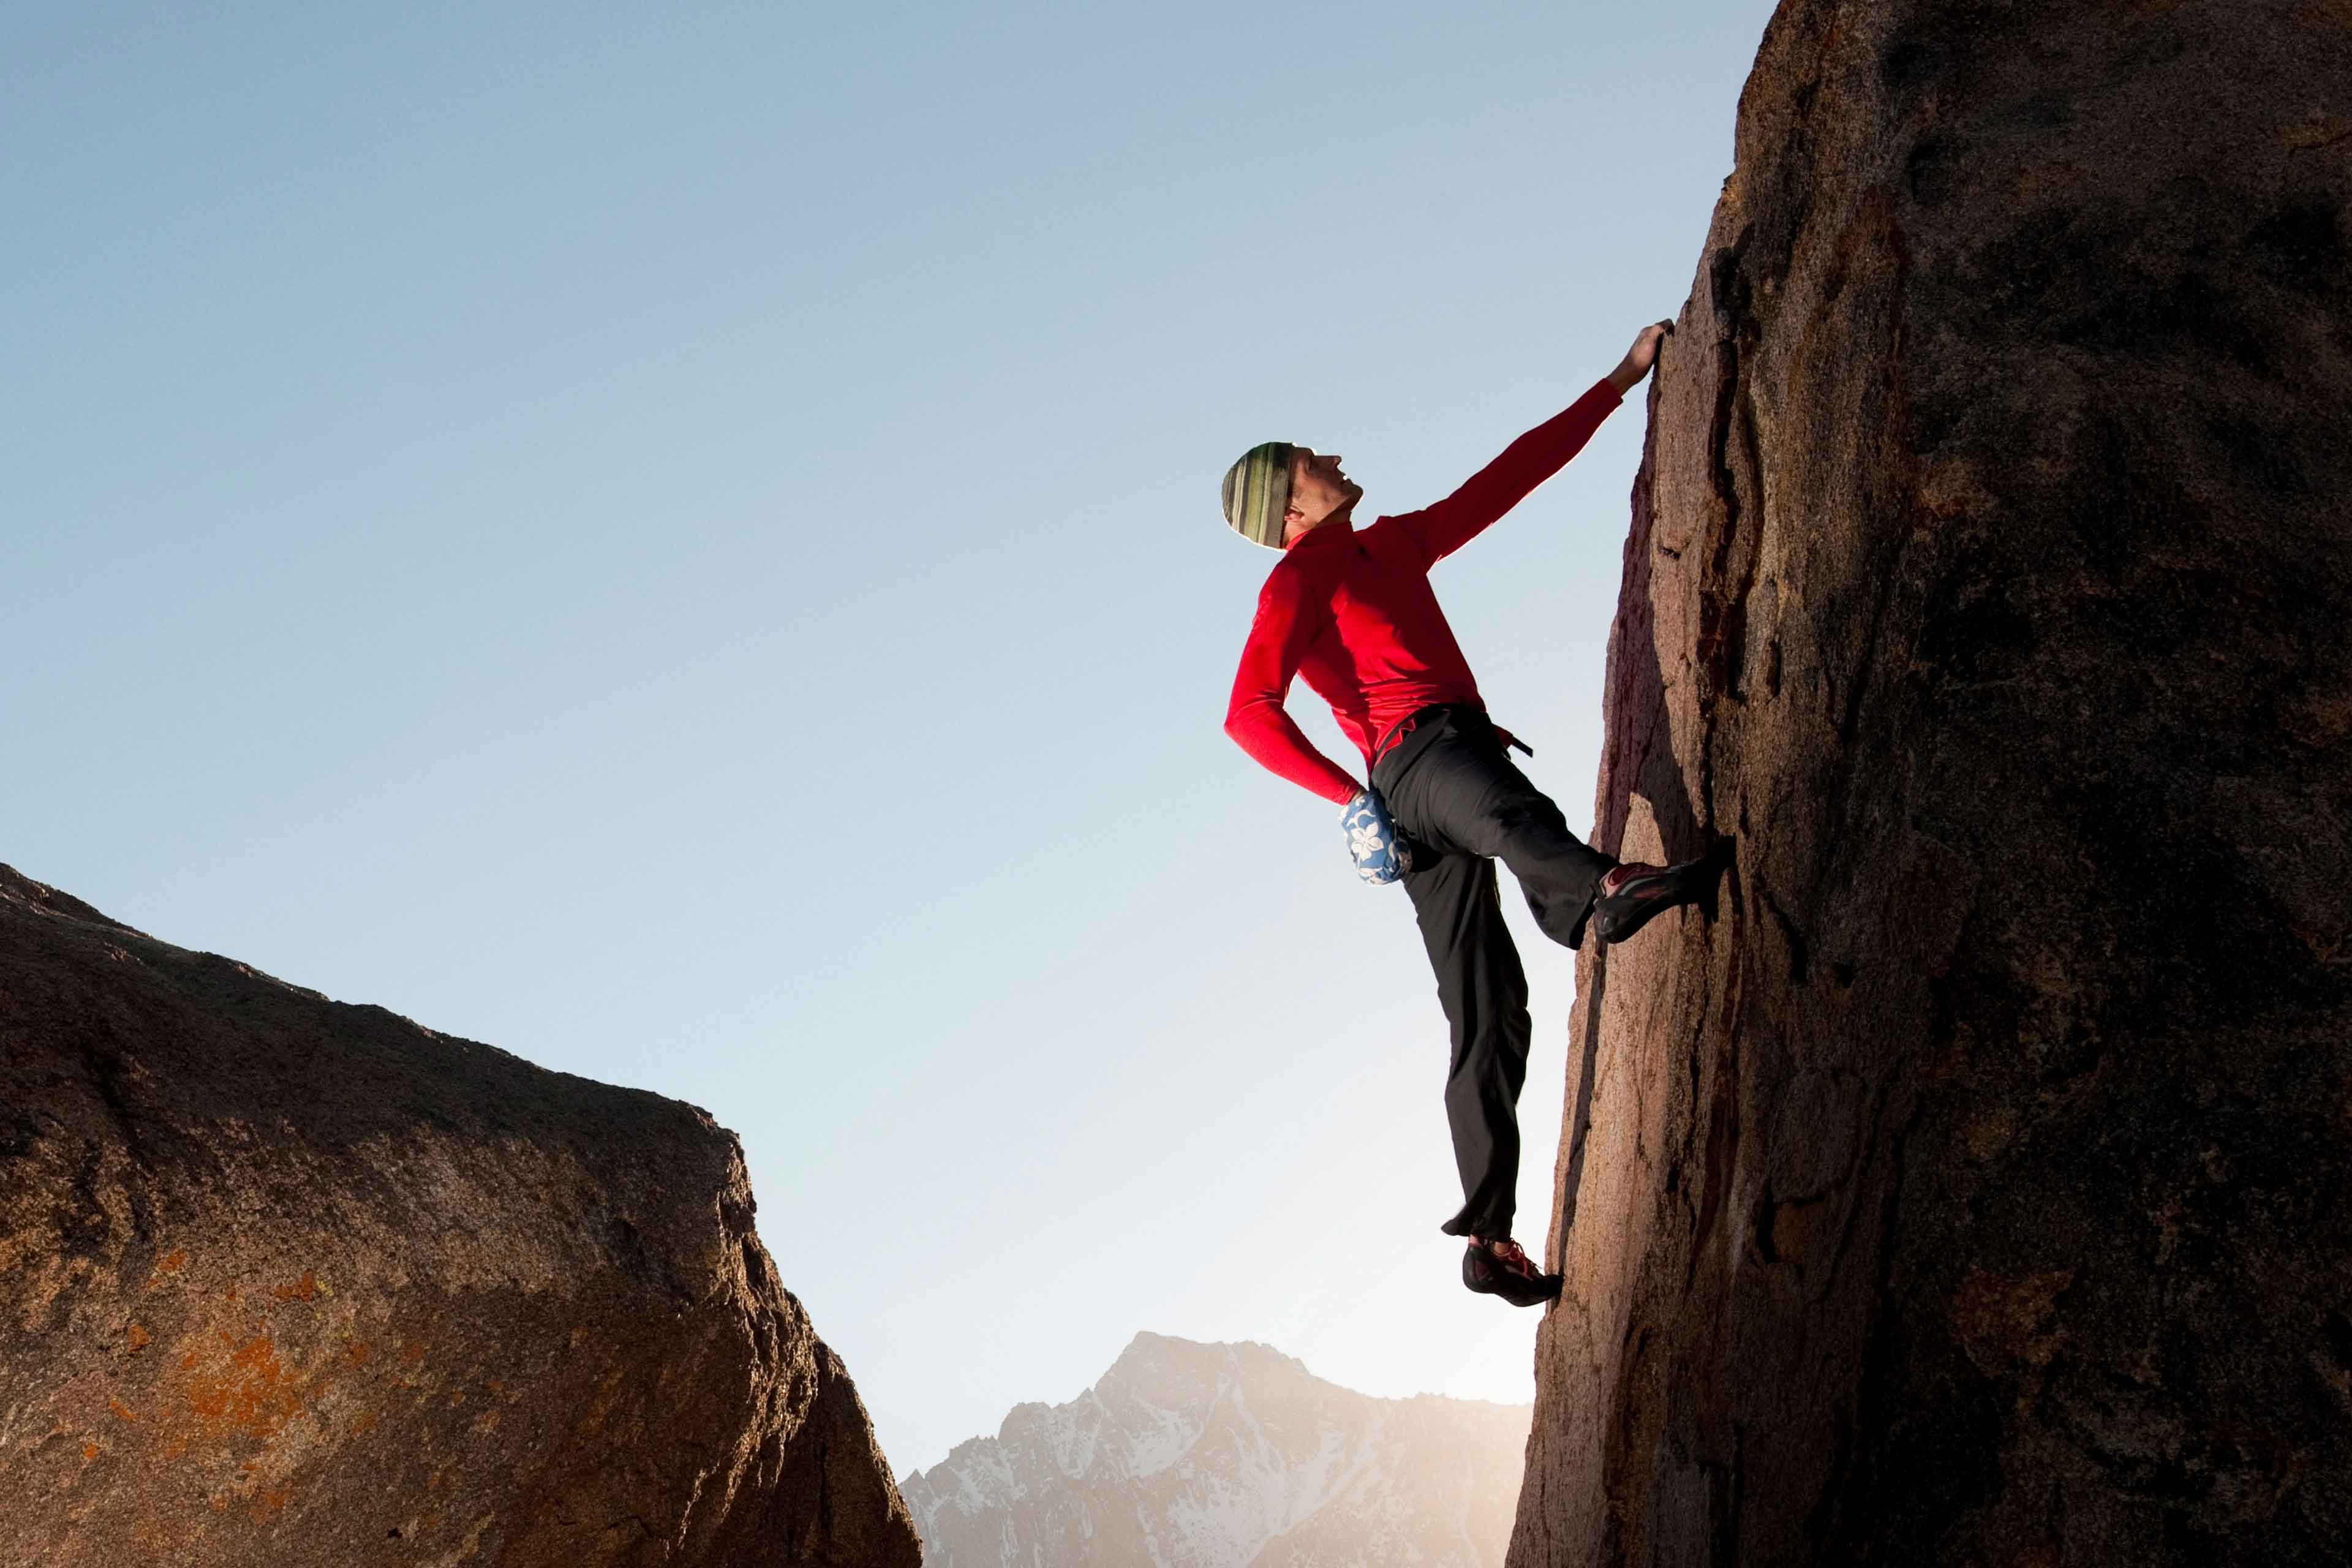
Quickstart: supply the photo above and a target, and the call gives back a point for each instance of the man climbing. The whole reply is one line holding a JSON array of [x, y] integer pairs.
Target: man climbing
[[1352, 610]]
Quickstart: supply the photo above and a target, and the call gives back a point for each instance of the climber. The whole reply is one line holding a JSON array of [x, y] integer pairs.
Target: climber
[[1350, 609]]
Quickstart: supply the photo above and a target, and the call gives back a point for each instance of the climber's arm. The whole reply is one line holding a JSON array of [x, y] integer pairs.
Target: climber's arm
[[1442, 528], [1254, 718]]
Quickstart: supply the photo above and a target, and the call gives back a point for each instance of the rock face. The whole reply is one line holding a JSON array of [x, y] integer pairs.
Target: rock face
[[283, 1280], [1972, 1187], [1194, 1455]]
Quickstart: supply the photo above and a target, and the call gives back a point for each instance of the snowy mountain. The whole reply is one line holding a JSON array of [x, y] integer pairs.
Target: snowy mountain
[[1194, 1455]]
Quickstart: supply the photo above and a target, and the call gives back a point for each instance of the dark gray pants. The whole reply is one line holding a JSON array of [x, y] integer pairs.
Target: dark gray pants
[[1453, 789]]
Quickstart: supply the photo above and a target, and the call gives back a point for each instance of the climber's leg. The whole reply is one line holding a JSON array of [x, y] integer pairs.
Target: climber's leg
[[1485, 994], [1451, 784]]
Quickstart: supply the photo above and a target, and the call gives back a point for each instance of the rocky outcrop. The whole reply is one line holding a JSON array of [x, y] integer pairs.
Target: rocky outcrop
[[1972, 1186], [287, 1281], [1194, 1455]]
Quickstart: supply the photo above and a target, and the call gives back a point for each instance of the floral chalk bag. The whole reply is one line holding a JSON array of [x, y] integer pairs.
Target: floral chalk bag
[[1380, 854]]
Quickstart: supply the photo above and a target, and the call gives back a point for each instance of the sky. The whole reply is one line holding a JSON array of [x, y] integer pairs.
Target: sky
[[682, 542]]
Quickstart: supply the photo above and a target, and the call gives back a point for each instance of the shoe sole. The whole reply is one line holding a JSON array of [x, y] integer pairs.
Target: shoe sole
[[1535, 1293]]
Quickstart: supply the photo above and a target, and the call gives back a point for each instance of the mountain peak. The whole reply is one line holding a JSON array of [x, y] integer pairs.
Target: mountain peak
[[1148, 1346], [1188, 1453]]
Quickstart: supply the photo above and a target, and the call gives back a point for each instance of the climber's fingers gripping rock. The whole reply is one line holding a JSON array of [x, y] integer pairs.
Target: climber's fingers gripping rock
[[1639, 357]]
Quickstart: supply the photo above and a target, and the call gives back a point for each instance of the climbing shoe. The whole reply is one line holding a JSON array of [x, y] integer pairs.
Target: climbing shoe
[[1633, 895], [1502, 1269]]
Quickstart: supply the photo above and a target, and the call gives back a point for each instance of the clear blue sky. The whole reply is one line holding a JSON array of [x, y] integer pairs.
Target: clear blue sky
[[682, 541]]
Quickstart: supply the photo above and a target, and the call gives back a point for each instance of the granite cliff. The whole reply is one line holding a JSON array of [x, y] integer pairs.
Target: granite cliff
[[287, 1281], [1968, 1186]]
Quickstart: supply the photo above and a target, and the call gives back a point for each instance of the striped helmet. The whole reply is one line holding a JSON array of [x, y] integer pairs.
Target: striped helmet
[[1258, 493]]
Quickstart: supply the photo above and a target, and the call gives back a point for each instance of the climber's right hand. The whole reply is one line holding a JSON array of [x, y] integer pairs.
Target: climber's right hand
[[1639, 357]]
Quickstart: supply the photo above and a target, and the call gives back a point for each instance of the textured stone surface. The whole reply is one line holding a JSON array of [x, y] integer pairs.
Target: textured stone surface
[[287, 1281], [1972, 1187], [1194, 1455]]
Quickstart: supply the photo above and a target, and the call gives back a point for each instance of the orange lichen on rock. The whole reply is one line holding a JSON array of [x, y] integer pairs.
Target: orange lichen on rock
[[121, 1410], [302, 1289], [608, 1391], [254, 1395], [136, 1337]]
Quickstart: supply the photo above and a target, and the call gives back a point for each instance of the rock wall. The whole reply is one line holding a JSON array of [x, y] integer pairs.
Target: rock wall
[[287, 1281], [1971, 1185]]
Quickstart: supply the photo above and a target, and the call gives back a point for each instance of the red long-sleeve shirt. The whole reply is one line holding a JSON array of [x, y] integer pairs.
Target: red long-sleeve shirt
[[1350, 609]]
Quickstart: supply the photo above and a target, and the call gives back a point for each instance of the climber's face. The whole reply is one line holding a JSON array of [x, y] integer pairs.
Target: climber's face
[[1318, 492]]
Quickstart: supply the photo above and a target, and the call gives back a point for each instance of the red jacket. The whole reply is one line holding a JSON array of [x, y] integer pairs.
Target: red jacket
[[1350, 609]]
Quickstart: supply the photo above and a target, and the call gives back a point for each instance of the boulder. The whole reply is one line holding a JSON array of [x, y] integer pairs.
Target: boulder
[[286, 1280], [1968, 1184]]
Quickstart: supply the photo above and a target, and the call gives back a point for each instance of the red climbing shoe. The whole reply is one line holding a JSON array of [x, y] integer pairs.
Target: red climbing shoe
[[1632, 894], [1501, 1269]]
